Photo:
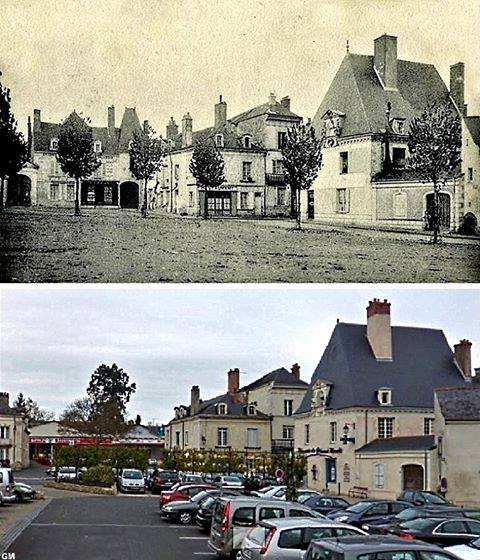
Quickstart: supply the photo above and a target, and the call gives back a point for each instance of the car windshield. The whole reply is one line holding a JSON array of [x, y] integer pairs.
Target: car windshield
[[208, 502], [265, 490], [132, 474], [434, 499], [232, 479], [418, 524], [359, 507], [408, 514], [200, 496], [67, 470], [303, 498]]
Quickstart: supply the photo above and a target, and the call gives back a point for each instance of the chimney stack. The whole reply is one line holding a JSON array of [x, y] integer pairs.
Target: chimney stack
[[187, 130], [457, 86], [379, 331], [463, 356], [194, 400], [111, 120], [37, 119], [285, 102], [172, 129], [5, 400], [233, 382], [220, 113], [295, 369], [145, 127], [385, 60], [272, 99], [30, 139]]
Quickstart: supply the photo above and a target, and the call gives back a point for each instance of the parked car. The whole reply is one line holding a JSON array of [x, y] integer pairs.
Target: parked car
[[375, 546], [183, 492], [131, 480], [468, 551], [305, 494], [234, 517], [50, 472], [326, 504], [423, 497], [228, 480], [367, 511], [66, 474], [164, 480], [440, 530], [7, 494], [23, 492], [285, 539], [271, 492], [192, 479], [383, 526]]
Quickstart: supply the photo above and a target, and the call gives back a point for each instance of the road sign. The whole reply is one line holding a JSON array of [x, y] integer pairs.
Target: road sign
[[279, 473]]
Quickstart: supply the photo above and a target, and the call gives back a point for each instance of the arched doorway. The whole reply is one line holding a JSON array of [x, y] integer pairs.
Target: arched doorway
[[129, 195], [412, 477], [443, 210], [19, 189]]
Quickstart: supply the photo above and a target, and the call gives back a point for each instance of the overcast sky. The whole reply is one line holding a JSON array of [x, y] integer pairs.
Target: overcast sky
[[168, 57], [169, 339]]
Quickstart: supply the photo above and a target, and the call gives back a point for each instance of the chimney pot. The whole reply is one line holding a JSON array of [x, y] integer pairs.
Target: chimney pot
[[5, 399], [194, 399], [285, 102], [220, 113], [385, 60], [272, 99], [172, 129], [296, 370], [233, 382], [187, 130], [111, 119], [379, 331], [37, 119], [463, 356]]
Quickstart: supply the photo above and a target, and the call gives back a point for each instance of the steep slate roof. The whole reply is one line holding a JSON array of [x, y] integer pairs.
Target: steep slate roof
[[357, 92], [268, 109], [396, 444], [473, 124], [422, 359], [112, 143], [280, 376], [460, 404], [234, 407]]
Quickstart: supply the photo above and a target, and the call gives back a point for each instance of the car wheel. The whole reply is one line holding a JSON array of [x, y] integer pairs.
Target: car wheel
[[18, 497], [185, 518]]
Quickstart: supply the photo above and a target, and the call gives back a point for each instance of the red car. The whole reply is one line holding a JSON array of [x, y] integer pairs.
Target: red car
[[183, 492]]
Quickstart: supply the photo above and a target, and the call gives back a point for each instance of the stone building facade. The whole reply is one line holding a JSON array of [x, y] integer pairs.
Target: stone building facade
[[13, 434], [365, 115], [255, 183], [42, 182], [362, 423]]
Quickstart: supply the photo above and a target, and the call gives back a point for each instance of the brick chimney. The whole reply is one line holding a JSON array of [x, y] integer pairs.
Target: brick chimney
[[194, 399], [233, 382], [4, 400], [111, 120], [379, 331], [385, 60], [295, 369], [463, 357], [272, 99], [457, 86], [220, 113], [187, 130], [285, 102], [37, 119], [172, 129]]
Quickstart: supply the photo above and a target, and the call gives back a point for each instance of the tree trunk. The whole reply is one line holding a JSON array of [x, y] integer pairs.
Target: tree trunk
[[1, 193], [144, 205], [77, 200], [436, 213], [293, 203], [205, 212], [298, 210]]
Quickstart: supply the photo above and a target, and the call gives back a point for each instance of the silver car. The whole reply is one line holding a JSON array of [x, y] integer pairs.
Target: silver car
[[7, 494], [131, 480], [288, 539]]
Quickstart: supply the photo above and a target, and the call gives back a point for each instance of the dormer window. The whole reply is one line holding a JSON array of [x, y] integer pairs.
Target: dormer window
[[222, 409], [398, 125], [333, 123], [384, 396], [251, 410], [97, 147], [54, 144], [247, 142], [219, 140]]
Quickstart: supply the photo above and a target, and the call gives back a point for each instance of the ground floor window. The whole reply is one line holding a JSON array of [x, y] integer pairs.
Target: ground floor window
[[54, 191], [222, 437], [220, 203], [70, 193], [3, 453], [379, 475], [191, 199], [243, 200], [101, 193], [342, 201], [281, 196]]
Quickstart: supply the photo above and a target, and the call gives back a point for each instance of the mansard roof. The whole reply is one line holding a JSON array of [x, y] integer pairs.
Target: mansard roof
[[422, 361], [273, 110], [279, 377], [356, 91]]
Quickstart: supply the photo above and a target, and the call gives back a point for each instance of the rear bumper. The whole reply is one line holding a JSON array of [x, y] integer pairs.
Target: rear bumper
[[9, 499], [215, 549]]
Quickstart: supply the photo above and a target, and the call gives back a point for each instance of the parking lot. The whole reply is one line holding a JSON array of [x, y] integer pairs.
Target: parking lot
[[121, 528]]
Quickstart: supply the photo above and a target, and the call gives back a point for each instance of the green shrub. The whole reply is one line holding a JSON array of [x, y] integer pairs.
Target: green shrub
[[100, 475]]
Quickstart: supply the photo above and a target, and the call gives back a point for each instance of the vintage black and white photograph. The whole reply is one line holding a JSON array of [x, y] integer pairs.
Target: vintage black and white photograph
[[253, 141]]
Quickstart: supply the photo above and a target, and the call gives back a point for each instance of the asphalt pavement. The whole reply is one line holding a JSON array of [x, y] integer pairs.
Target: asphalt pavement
[[107, 527]]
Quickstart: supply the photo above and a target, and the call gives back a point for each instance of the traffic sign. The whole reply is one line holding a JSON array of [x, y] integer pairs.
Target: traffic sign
[[279, 473]]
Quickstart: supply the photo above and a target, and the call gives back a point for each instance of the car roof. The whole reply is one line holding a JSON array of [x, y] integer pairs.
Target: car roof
[[372, 543], [293, 522]]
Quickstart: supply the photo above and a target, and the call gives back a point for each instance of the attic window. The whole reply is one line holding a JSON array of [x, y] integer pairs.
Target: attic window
[[384, 397], [251, 409], [222, 409], [398, 126], [219, 140], [247, 142], [54, 144], [97, 147]]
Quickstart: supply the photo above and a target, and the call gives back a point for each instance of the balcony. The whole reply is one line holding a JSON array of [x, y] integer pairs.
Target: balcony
[[275, 178], [282, 445]]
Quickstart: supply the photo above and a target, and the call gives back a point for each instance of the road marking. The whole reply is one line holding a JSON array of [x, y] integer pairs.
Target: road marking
[[96, 525], [205, 553], [194, 538]]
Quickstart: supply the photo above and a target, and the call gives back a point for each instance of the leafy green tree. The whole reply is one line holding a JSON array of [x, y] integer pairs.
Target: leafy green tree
[[13, 148], [146, 157], [302, 158], [20, 401], [434, 144], [110, 384], [75, 152], [33, 412], [207, 166]]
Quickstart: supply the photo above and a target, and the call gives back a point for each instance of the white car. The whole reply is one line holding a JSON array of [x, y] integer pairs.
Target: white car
[[131, 480], [229, 481], [271, 492], [66, 474], [470, 551]]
